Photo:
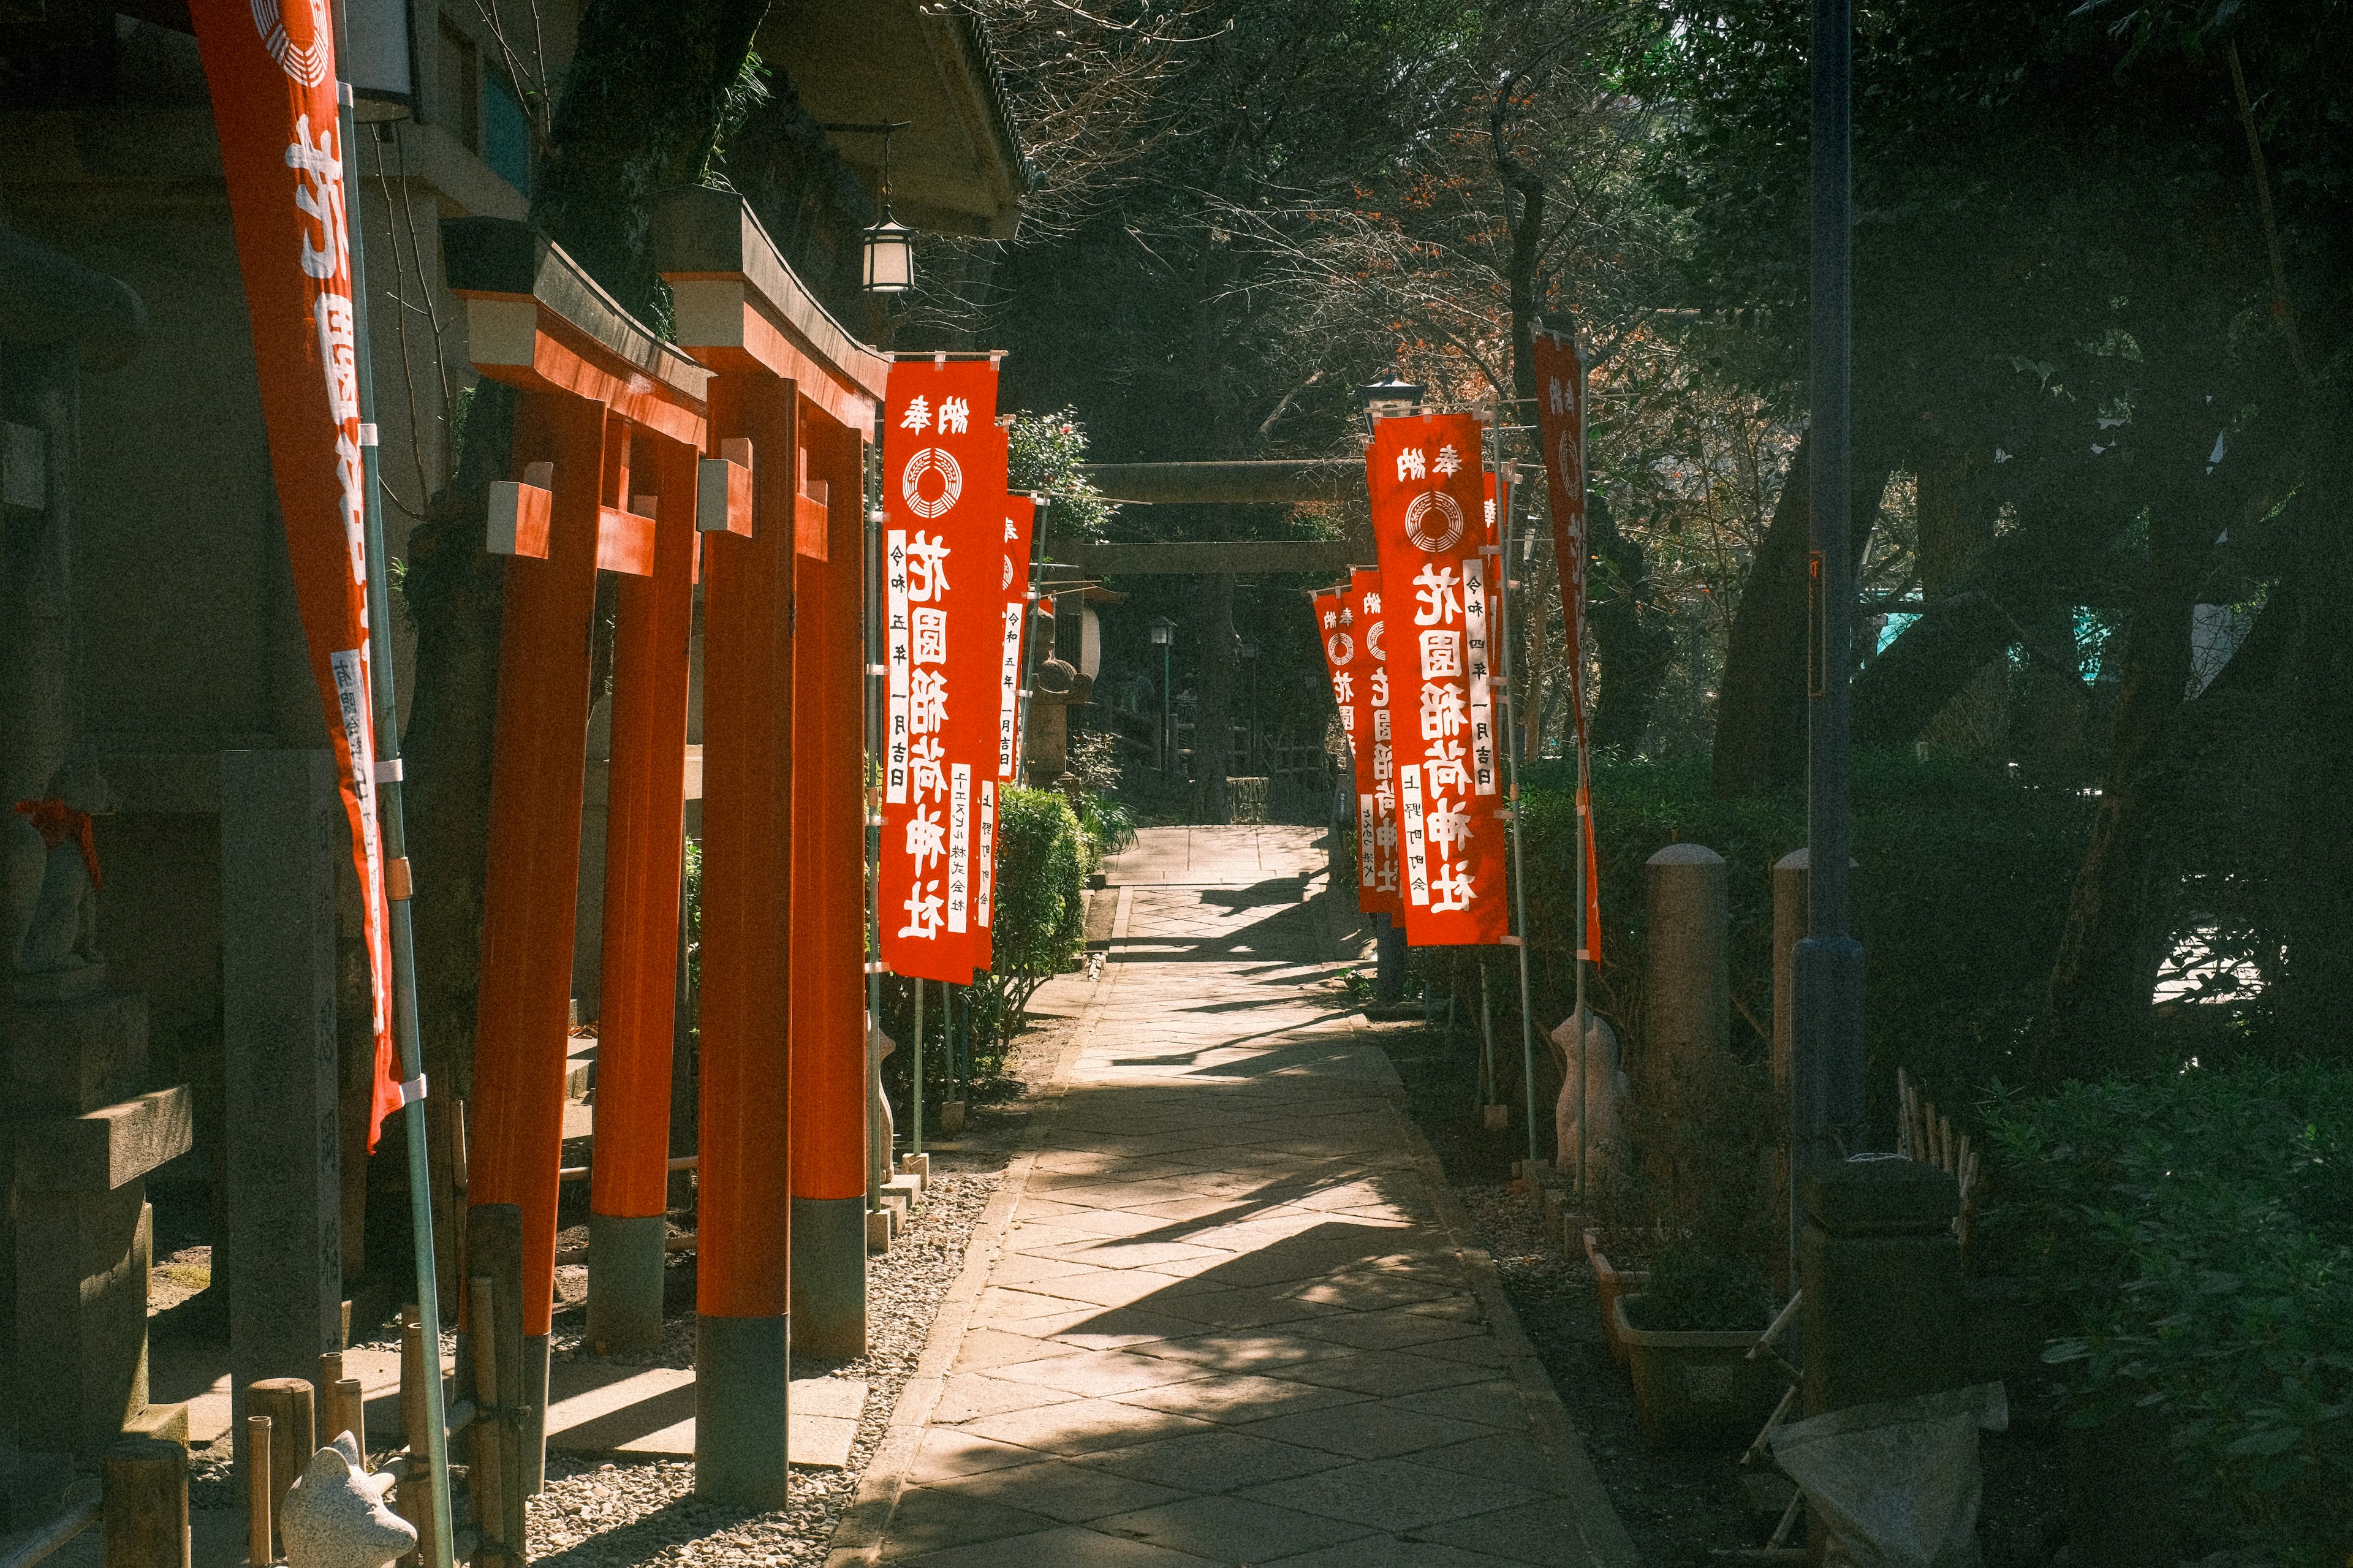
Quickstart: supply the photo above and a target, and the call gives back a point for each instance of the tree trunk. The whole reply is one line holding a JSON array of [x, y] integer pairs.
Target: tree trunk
[[2117, 919], [1213, 692], [1954, 533], [2042, 566], [640, 113], [1631, 642], [1760, 707]]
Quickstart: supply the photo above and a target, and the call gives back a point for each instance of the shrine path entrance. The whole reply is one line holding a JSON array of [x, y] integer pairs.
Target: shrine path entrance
[[1224, 1311]]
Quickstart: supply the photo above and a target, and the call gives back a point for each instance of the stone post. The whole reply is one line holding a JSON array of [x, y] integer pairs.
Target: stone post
[[1881, 1271], [1789, 929], [281, 835], [1687, 975]]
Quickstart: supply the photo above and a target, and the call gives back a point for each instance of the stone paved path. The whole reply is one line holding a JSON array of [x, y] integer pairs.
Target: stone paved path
[[1228, 1316]]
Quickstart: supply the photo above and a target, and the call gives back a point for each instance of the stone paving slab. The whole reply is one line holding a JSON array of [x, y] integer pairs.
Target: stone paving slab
[[1225, 1311]]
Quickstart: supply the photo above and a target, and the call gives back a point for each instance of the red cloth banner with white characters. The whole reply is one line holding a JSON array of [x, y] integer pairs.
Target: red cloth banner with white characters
[[1014, 576], [1379, 775], [943, 504], [271, 69], [1379, 889], [1343, 668], [1423, 472], [1560, 426]]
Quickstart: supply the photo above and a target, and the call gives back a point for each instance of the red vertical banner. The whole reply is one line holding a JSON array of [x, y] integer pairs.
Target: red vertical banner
[[1376, 818], [1423, 472], [1014, 580], [943, 501], [1560, 426], [271, 69], [1335, 628]]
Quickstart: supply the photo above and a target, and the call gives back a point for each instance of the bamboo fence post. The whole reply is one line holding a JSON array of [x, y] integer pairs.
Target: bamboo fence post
[[257, 1492], [294, 1433], [415, 1496], [485, 1482], [146, 1506]]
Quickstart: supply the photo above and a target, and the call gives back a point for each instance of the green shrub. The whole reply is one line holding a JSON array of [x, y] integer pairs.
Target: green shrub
[[2196, 1230], [1694, 1289], [1961, 892], [1038, 923]]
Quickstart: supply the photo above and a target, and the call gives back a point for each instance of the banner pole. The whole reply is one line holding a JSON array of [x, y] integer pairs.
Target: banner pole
[[394, 828], [1505, 489], [915, 1136]]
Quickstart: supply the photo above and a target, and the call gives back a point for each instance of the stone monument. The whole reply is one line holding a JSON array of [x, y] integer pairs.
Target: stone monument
[[85, 1140]]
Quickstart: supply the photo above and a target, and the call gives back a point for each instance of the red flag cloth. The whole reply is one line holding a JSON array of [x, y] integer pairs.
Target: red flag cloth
[[1352, 658], [943, 501], [271, 69], [1343, 662], [1015, 576], [1377, 767], [1560, 426], [1020, 514], [56, 822], [1423, 472]]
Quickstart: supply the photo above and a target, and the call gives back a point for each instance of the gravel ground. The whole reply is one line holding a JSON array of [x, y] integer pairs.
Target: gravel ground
[[604, 1513], [599, 1513]]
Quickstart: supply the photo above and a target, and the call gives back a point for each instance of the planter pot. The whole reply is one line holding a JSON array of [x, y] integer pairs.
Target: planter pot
[[1612, 1282], [1696, 1390]]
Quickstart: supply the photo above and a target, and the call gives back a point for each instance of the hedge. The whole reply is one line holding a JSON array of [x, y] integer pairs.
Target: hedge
[[2195, 1230]]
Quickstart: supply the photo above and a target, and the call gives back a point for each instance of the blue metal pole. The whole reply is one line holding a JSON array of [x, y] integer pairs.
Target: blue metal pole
[[1826, 1071], [394, 836]]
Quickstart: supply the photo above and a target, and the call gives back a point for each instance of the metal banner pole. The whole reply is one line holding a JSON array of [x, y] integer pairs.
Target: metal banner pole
[[394, 828], [1504, 491], [915, 1134]]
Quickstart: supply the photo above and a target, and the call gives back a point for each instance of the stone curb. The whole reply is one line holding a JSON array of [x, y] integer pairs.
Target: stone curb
[[857, 1540], [1605, 1542]]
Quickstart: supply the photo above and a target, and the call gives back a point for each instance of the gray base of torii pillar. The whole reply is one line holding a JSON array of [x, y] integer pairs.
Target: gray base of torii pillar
[[743, 1380], [828, 1263], [625, 1260]]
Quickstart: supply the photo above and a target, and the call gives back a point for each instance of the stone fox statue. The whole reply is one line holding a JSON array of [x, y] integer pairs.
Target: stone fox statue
[[64, 930], [335, 1515]]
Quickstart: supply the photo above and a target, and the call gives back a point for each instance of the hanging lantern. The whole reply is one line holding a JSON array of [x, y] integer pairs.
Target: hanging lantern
[[889, 257]]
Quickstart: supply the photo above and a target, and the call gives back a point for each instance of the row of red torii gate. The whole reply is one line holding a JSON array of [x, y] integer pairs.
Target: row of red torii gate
[[734, 457]]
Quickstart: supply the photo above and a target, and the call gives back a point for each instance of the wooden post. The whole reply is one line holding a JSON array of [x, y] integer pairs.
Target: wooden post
[[495, 1350], [293, 1428], [257, 1492], [485, 1483], [644, 854], [416, 1497], [537, 778], [146, 1504], [829, 1071], [746, 1210]]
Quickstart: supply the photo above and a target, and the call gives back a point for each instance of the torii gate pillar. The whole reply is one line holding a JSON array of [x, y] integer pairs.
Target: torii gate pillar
[[781, 1247]]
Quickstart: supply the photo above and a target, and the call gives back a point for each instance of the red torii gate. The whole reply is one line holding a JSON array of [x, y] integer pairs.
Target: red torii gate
[[782, 1217], [604, 405]]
